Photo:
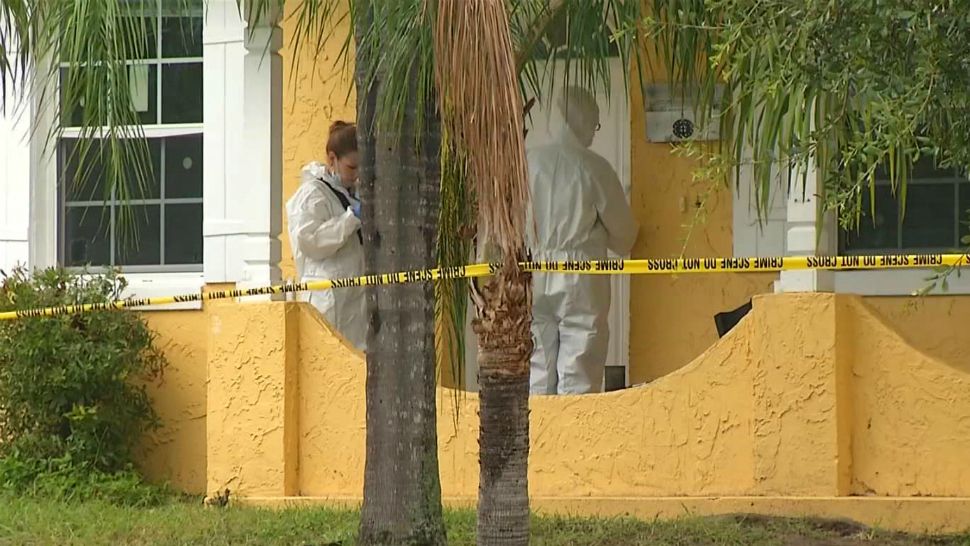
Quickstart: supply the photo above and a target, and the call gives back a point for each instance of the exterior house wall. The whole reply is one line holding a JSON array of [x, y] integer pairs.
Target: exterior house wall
[[811, 399], [176, 452], [796, 420]]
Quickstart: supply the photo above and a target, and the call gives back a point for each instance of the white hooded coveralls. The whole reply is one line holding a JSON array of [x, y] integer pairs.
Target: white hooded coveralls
[[326, 245], [579, 210]]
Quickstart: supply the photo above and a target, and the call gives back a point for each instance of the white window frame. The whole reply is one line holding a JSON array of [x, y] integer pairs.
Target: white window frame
[[46, 207], [752, 238], [156, 130]]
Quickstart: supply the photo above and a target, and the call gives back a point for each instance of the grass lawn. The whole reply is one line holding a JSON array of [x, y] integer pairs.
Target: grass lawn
[[26, 521]]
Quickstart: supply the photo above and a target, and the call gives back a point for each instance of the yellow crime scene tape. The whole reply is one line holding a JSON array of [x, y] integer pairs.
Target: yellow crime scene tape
[[656, 266]]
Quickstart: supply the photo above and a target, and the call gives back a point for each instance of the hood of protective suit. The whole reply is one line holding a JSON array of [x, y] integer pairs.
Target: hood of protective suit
[[315, 170], [580, 115]]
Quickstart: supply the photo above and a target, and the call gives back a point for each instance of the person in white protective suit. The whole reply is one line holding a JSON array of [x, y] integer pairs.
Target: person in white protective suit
[[324, 226], [579, 211]]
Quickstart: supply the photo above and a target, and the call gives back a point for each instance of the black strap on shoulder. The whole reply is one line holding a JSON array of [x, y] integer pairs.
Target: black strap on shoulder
[[345, 203]]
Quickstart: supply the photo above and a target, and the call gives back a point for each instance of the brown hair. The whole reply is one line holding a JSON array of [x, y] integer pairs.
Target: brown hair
[[342, 139]]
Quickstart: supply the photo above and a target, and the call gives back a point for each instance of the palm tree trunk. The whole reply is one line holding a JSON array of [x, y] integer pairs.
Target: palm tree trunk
[[399, 176], [505, 346]]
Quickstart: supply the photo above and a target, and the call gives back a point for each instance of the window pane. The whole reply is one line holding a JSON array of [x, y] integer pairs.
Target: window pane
[[182, 93], [142, 84], [143, 22], [88, 180], [138, 235], [150, 186], [71, 117], [929, 220], [87, 236], [183, 234], [923, 169], [926, 168], [182, 30], [964, 210], [879, 234], [183, 166], [81, 180]]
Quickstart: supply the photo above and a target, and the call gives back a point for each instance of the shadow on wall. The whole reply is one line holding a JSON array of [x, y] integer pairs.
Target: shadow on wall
[[935, 325]]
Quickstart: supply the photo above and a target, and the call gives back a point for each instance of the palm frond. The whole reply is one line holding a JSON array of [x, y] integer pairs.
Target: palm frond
[[455, 234], [76, 58], [848, 88], [482, 108], [582, 34]]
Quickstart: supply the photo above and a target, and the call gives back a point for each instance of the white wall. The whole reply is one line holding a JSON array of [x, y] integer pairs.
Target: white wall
[[14, 180]]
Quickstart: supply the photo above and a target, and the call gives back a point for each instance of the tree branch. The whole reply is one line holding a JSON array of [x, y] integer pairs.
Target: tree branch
[[540, 30]]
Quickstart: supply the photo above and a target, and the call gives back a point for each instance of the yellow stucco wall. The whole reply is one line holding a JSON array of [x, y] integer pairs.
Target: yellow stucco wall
[[175, 453], [252, 396], [775, 419], [898, 408], [934, 325], [672, 318]]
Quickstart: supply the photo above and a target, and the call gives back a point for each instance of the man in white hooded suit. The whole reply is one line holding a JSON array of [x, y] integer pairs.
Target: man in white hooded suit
[[580, 212]]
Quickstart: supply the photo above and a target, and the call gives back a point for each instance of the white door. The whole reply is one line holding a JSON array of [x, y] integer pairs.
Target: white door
[[613, 143]]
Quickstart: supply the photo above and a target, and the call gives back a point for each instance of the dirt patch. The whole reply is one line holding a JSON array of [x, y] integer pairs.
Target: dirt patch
[[835, 532]]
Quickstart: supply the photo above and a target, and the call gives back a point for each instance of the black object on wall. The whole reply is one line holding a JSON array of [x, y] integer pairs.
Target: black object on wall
[[729, 319]]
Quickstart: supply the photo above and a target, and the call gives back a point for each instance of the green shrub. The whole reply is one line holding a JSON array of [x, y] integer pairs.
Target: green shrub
[[72, 387], [66, 480]]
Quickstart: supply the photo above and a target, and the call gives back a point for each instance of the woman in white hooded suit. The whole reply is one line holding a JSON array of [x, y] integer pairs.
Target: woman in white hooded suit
[[324, 227]]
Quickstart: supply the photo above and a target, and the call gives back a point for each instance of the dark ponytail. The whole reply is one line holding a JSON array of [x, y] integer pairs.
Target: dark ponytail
[[342, 139]]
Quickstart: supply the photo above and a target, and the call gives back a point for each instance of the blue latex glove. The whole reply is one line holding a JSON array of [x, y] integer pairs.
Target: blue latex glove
[[356, 208]]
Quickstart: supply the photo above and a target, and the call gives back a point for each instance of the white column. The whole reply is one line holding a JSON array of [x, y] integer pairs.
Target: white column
[[224, 230], [259, 191], [243, 145], [14, 177], [14, 183], [44, 201], [806, 236]]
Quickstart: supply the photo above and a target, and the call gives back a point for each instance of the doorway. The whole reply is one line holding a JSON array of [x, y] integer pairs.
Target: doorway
[[613, 143]]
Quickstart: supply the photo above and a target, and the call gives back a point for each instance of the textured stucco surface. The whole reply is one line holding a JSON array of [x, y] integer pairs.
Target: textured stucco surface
[[911, 431], [810, 398], [934, 325], [766, 411], [755, 414], [794, 350], [176, 452], [251, 392], [672, 317], [332, 410], [580, 446]]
